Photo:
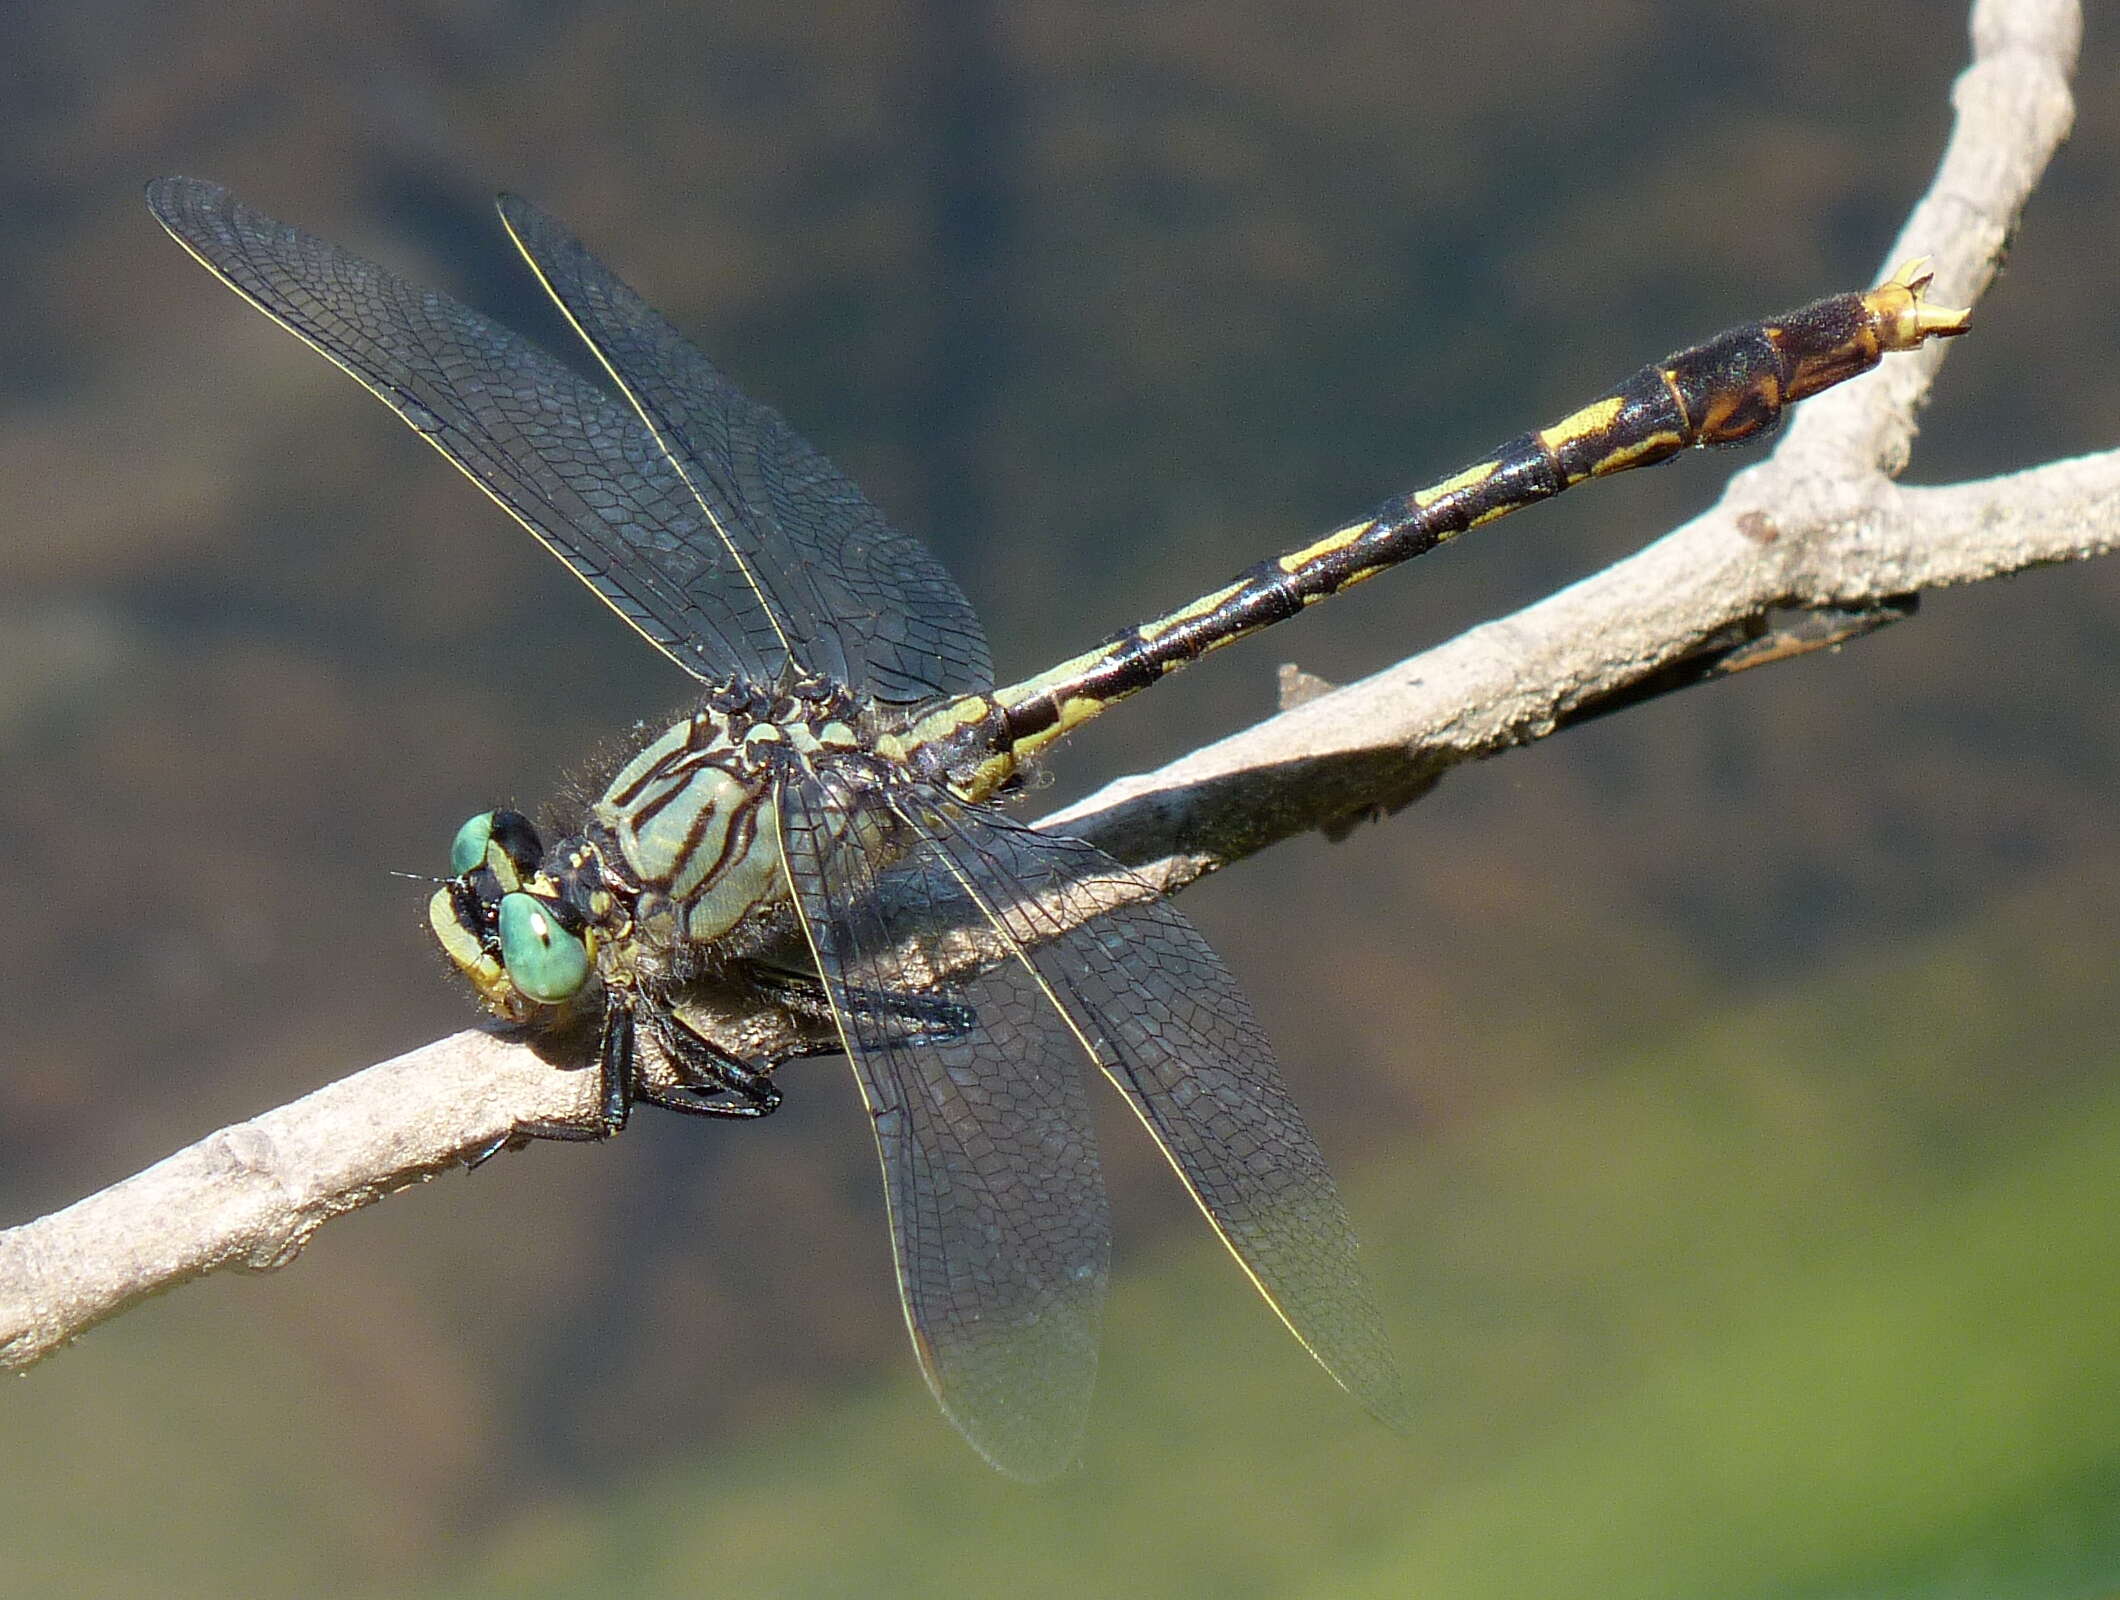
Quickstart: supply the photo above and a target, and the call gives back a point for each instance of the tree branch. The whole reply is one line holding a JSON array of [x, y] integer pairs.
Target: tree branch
[[1818, 528]]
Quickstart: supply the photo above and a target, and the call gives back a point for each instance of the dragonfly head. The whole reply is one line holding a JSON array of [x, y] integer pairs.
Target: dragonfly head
[[509, 925]]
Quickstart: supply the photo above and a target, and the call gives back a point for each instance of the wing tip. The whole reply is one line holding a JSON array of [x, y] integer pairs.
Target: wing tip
[[173, 193]]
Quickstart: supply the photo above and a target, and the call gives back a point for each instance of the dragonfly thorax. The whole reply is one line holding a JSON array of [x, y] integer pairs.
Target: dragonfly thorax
[[678, 864]]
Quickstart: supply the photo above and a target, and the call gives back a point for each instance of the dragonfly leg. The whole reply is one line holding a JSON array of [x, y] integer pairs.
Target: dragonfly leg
[[907, 1018], [713, 1082], [615, 1072], [912, 1018], [616, 1069]]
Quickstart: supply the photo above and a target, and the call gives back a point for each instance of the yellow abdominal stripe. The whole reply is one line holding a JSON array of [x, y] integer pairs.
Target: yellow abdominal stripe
[[1586, 423], [1338, 539], [1627, 455], [1149, 632], [1470, 478]]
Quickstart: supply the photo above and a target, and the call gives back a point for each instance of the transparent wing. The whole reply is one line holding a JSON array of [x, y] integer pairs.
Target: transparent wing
[[999, 1221], [1168, 1024], [573, 464], [861, 602]]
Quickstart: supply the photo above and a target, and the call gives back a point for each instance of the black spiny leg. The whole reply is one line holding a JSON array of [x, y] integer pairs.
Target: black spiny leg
[[616, 1065], [712, 1083], [708, 1073], [615, 1069], [907, 1018]]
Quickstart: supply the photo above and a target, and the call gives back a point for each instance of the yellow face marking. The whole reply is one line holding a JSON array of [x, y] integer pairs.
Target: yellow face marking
[[502, 868], [487, 976], [1470, 478], [1583, 424]]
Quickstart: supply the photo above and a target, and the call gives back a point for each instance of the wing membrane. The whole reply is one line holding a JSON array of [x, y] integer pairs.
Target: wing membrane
[[999, 1221], [1174, 1033], [571, 463], [860, 601]]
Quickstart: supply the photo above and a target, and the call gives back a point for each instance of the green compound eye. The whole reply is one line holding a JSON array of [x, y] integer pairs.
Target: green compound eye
[[468, 848], [511, 830], [544, 961]]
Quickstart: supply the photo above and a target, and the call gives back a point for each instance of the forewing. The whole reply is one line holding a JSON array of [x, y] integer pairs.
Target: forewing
[[999, 1222], [860, 601], [1176, 1035], [573, 464]]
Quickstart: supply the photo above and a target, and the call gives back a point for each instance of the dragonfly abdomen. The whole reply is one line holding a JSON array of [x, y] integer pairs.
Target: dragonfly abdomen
[[1727, 389]]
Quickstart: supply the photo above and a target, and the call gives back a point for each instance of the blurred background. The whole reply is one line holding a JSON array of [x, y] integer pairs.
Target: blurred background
[[1725, 1090]]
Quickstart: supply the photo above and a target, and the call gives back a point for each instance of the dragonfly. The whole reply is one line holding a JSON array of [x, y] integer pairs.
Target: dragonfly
[[825, 830]]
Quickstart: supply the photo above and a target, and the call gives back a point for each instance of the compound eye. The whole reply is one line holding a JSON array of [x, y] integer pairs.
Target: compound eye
[[544, 961], [468, 848], [511, 830]]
